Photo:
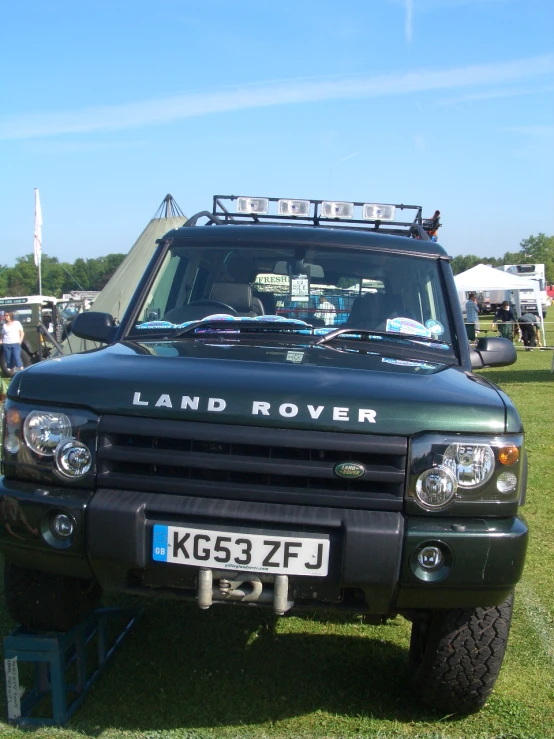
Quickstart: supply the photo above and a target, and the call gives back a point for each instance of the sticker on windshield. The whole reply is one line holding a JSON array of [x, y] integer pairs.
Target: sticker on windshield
[[407, 326], [156, 324], [300, 288], [222, 317], [279, 319], [295, 357], [435, 327], [408, 363]]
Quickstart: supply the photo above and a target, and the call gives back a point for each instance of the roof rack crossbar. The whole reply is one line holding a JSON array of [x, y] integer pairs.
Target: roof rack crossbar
[[222, 214], [222, 210], [212, 219]]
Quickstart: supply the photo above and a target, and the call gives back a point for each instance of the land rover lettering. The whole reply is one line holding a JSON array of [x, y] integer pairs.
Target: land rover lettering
[[259, 407]]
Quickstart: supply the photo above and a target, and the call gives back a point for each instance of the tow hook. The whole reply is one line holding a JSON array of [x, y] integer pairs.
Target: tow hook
[[243, 587]]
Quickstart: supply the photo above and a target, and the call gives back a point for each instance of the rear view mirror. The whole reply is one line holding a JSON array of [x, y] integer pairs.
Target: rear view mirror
[[493, 351], [95, 326]]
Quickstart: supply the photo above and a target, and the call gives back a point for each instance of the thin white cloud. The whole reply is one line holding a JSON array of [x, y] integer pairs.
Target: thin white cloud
[[293, 92], [408, 23], [495, 94]]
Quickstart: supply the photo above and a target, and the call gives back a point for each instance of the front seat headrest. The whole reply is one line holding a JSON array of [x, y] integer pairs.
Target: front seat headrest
[[236, 294]]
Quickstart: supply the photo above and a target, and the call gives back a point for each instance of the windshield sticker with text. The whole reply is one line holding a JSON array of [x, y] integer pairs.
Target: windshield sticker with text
[[407, 326], [435, 327], [222, 317]]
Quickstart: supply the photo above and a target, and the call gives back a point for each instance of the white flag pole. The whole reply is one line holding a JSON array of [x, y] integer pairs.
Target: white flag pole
[[37, 242]]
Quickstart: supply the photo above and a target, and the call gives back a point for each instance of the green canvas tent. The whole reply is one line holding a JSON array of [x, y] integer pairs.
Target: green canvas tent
[[117, 293]]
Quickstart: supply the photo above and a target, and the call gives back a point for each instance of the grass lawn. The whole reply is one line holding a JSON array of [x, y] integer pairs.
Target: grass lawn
[[240, 672]]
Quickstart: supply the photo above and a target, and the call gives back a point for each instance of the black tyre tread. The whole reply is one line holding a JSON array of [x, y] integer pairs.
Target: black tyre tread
[[46, 602], [26, 360], [463, 656], [3, 366]]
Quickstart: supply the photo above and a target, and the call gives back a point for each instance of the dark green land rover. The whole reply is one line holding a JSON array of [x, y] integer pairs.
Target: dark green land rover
[[285, 416]]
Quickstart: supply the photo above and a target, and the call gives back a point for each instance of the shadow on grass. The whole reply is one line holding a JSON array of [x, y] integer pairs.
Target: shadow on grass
[[184, 668], [502, 377]]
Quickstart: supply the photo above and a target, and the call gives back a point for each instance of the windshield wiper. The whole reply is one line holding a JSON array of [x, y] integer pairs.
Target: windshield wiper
[[379, 336], [241, 326]]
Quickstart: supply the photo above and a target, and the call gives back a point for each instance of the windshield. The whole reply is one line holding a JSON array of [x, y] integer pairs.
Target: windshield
[[327, 287], [23, 315]]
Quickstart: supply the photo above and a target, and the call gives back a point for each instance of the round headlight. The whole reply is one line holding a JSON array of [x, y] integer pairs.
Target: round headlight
[[436, 487], [73, 458], [44, 430], [472, 464]]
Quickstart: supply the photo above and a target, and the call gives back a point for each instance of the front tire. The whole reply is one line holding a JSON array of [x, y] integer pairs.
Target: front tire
[[456, 655], [25, 357], [46, 602], [3, 365]]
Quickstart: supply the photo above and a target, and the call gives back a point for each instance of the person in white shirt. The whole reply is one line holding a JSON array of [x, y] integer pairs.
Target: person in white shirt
[[12, 337], [326, 312]]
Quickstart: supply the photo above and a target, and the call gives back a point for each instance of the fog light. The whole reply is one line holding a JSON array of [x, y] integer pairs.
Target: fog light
[[506, 482], [436, 487], [430, 558], [73, 458], [62, 526]]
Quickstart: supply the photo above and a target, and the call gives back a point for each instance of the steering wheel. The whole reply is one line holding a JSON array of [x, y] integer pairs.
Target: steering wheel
[[221, 307]]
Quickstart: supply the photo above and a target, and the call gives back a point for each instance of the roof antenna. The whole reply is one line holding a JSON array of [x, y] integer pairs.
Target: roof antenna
[[169, 209]]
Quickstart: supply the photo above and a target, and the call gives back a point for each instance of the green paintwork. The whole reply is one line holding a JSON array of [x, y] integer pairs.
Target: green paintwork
[[328, 390]]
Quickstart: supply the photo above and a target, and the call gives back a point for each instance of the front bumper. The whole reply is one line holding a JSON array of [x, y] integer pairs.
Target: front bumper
[[373, 554]]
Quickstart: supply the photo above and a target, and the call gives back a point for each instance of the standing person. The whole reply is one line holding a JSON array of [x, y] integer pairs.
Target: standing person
[[472, 311], [326, 312], [529, 324], [431, 225], [505, 321], [12, 338]]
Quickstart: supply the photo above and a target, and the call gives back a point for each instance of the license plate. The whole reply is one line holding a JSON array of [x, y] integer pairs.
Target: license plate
[[227, 550]]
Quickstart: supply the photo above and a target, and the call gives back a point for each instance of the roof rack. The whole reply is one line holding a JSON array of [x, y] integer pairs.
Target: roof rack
[[381, 217]]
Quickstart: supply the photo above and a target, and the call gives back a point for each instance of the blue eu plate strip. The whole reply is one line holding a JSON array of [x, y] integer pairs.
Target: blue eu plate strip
[[159, 543]]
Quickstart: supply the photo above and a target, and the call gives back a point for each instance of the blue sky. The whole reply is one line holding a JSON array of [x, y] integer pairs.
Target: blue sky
[[107, 105]]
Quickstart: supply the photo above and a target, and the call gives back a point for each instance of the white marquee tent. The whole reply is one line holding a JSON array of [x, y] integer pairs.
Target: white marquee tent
[[484, 277]]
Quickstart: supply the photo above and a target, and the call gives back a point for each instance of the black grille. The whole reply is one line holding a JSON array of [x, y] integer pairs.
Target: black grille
[[250, 463]]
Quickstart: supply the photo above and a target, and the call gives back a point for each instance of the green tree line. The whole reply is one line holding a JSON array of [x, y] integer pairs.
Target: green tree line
[[57, 277], [534, 250], [92, 274]]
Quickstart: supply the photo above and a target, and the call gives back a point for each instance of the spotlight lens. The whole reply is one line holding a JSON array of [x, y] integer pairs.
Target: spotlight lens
[[62, 526], [430, 558], [73, 458], [436, 487]]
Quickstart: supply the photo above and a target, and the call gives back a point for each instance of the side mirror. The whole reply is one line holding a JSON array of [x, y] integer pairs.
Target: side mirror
[[493, 351], [95, 326]]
